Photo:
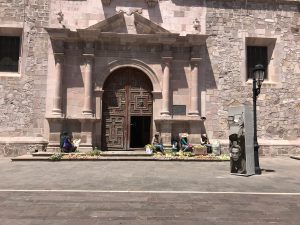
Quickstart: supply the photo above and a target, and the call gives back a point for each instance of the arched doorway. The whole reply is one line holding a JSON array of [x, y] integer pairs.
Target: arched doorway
[[127, 110]]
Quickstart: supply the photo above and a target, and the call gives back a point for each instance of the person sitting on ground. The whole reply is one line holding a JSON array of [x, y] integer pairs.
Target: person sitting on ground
[[66, 143], [175, 144], [205, 142], [157, 142], [185, 146], [63, 135]]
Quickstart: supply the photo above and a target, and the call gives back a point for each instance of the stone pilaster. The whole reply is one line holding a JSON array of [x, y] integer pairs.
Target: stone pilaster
[[166, 133], [57, 97], [166, 86], [88, 84], [86, 135], [194, 89], [88, 56]]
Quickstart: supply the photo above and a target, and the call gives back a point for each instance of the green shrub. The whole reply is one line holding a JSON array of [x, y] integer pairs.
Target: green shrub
[[56, 157], [94, 153], [224, 157]]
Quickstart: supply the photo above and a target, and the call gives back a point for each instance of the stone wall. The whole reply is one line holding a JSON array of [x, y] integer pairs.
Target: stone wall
[[16, 149], [22, 96], [228, 24], [286, 150]]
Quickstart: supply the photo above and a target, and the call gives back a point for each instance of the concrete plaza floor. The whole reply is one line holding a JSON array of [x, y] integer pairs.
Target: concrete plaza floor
[[148, 193]]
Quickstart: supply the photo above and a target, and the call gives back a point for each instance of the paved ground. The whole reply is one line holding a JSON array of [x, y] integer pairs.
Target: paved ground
[[152, 193]]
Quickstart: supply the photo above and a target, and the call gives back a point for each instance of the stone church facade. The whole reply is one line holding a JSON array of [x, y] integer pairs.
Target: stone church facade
[[113, 72]]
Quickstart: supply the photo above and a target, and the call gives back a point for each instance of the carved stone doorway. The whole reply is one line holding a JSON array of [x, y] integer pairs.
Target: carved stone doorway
[[127, 110]]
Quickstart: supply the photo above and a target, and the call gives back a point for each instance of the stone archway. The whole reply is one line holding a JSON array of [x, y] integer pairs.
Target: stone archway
[[127, 107]]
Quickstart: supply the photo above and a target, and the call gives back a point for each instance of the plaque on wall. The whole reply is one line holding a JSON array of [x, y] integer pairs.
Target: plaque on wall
[[179, 110]]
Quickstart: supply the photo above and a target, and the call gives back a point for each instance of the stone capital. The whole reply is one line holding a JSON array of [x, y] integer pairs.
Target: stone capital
[[88, 58], [88, 48], [167, 59], [195, 61]]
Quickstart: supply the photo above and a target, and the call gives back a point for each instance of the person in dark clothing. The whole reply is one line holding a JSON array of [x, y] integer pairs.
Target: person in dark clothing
[[66, 144], [205, 142]]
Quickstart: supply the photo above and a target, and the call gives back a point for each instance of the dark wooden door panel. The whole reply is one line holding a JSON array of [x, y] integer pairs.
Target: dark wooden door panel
[[127, 92], [140, 103], [114, 132]]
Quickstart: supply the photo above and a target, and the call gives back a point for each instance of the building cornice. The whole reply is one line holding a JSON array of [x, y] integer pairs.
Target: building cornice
[[260, 1]]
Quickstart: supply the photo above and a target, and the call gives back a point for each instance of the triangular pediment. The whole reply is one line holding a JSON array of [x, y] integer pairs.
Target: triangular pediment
[[130, 24]]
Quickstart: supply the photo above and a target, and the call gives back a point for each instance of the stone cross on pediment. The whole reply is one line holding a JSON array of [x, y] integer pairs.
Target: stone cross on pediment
[[128, 22], [151, 3]]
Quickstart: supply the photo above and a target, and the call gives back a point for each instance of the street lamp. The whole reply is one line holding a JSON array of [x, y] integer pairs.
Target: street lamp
[[258, 78]]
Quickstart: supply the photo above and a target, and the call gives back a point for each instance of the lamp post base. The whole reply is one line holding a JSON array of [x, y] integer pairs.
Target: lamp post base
[[256, 159], [257, 171]]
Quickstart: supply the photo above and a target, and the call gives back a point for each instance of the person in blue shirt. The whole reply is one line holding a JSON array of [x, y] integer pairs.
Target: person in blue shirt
[[185, 145]]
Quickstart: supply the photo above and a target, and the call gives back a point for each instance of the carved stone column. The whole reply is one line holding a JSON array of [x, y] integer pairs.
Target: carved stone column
[[88, 56], [88, 84], [166, 86], [57, 98], [194, 89]]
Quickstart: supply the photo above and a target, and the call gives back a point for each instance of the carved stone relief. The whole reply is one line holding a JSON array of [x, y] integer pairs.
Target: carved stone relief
[[151, 3], [130, 11]]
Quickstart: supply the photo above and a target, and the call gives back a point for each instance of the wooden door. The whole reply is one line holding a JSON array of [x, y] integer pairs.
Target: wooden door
[[127, 93]]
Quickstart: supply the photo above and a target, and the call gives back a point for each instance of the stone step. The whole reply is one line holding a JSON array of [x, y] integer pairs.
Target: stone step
[[30, 158], [125, 153], [48, 154], [104, 153], [111, 158]]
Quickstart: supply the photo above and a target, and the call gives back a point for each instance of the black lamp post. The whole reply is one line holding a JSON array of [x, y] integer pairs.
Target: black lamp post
[[258, 78]]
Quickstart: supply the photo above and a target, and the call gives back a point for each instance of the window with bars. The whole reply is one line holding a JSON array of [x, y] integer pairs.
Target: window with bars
[[257, 55], [9, 53]]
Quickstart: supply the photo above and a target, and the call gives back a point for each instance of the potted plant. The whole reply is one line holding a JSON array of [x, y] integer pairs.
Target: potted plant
[[149, 148]]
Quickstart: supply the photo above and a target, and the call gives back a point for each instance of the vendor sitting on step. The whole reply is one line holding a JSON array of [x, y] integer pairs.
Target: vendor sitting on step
[[185, 145], [157, 142], [175, 144], [205, 142], [66, 144]]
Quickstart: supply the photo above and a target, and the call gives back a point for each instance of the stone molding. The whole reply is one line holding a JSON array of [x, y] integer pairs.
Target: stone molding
[[138, 64], [190, 119], [269, 1], [150, 3], [23, 140], [130, 11]]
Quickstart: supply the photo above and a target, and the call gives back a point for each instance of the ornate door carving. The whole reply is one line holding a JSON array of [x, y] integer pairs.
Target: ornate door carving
[[127, 92]]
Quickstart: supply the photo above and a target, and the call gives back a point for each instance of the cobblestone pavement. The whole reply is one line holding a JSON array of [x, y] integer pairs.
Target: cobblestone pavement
[[152, 193]]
